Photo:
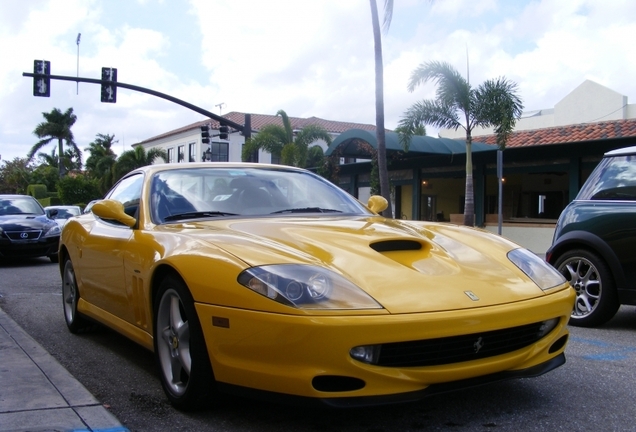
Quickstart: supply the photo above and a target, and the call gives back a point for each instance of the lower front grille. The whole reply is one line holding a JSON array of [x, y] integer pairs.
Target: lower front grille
[[455, 349]]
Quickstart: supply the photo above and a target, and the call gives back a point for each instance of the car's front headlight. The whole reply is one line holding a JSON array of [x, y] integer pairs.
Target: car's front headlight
[[541, 273], [306, 287], [52, 231]]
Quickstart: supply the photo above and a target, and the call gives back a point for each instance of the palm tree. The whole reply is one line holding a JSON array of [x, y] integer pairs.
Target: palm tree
[[383, 170], [49, 159], [137, 158], [56, 127], [101, 162], [69, 159], [493, 104], [281, 141]]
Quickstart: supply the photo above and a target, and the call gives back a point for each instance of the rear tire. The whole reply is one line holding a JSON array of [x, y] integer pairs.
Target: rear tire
[[70, 296], [180, 350], [596, 296]]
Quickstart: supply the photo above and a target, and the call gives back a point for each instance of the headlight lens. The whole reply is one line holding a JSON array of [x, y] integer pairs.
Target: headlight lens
[[541, 273], [306, 287], [52, 231]]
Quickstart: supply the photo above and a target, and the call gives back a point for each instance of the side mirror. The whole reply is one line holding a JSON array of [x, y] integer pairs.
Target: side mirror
[[113, 210], [377, 204]]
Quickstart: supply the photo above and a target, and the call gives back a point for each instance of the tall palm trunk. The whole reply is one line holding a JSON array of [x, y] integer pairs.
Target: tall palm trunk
[[379, 110], [60, 154], [469, 200]]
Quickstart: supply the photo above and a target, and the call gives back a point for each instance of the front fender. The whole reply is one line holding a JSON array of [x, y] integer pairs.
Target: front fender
[[586, 240]]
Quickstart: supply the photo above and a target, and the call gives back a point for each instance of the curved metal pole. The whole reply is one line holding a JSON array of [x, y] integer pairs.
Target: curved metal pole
[[183, 103]]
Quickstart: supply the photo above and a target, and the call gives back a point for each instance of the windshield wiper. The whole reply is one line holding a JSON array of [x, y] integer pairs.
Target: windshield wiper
[[307, 210], [195, 215]]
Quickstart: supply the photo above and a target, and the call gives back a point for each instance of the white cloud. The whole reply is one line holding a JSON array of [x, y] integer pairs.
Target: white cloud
[[308, 58]]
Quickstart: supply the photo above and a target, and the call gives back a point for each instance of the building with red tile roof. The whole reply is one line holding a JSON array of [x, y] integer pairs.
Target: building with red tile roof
[[184, 144], [547, 158]]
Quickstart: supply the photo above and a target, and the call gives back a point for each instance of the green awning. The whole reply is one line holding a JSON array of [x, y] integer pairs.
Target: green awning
[[355, 143]]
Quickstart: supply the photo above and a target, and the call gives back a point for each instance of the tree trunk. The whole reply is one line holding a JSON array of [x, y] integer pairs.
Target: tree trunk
[[469, 200], [60, 153], [385, 189]]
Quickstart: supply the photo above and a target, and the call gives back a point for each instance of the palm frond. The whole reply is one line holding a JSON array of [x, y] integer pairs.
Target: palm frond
[[497, 104], [388, 15], [286, 125]]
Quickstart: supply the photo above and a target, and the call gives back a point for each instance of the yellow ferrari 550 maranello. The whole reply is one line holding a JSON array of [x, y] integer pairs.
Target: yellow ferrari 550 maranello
[[269, 280]]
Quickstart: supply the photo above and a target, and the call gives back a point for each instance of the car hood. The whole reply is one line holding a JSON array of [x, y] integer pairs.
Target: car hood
[[23, 222], [407, 266]]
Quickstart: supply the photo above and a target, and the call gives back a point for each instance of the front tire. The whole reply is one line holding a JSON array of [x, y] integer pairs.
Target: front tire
[[180, 350], [596, 296], [70, 296]]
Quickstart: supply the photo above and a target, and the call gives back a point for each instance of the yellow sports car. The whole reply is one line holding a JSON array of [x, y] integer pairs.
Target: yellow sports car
[[269, 280]]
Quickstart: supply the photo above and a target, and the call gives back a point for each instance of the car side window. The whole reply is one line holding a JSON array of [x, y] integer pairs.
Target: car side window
[[613, 179], [128, 192]]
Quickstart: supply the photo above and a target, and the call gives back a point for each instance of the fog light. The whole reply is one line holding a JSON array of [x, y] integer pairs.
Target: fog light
[[366, 353], [548, 326]]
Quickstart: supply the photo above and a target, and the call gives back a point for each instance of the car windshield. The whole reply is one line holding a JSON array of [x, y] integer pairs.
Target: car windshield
[[217, 192], [19, 205]]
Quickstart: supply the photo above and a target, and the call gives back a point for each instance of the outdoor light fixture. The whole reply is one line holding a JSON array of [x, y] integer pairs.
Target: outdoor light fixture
[[207, 155]]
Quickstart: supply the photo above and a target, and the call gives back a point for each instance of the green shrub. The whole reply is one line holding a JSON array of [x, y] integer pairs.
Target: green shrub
[[37, 191], [77, 189]]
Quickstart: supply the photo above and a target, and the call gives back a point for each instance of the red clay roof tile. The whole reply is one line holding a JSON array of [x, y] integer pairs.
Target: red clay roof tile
[[567, 134]]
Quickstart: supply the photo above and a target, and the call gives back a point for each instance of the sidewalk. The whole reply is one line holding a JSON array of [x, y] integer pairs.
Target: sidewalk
[[38, 394]]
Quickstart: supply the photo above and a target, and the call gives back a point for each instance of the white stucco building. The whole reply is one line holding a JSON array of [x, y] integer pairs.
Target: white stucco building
[[185, 144]]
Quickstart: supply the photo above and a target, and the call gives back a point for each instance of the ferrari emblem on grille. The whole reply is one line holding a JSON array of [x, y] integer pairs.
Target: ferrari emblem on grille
[[479, 344], [471, 295]]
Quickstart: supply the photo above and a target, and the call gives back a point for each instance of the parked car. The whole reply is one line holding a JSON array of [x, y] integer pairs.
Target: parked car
[[270, 279], [61, 214], [25, 230], [594, 240]]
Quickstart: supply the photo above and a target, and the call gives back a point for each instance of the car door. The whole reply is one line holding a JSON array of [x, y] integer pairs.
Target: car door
[[104, 251]]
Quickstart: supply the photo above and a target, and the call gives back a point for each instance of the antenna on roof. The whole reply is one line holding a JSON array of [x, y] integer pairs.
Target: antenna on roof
[[220, 106]]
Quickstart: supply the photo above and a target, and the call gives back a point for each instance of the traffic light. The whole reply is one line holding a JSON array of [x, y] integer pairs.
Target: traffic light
[[223, 132], [205, 134], [109, 91], [42, 84]]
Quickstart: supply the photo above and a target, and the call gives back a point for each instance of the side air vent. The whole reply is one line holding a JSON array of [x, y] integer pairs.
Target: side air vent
[[396, 245]]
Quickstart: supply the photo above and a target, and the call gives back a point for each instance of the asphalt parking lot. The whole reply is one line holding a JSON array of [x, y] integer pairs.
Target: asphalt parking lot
[[593, 391]]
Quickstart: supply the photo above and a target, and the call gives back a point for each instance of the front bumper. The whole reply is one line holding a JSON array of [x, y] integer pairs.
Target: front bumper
[[366, 401], [30, 248], [288, 354]]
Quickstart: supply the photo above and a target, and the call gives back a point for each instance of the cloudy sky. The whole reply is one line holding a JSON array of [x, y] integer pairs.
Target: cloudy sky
[[309, 58]]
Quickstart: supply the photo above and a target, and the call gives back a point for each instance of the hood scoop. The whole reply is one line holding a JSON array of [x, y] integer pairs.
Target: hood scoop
[[396, 246]]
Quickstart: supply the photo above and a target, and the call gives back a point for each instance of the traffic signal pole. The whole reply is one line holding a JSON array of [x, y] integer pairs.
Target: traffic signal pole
[[221, 120]]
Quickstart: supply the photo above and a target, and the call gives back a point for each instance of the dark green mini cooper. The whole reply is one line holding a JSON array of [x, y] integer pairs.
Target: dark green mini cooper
[[594, 243]]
